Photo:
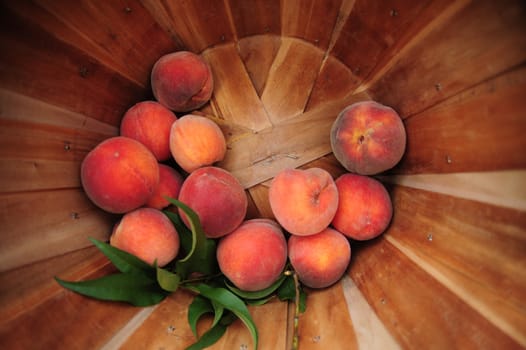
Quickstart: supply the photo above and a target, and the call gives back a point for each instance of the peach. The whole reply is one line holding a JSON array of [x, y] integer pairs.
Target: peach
[[254, 255], [170, 182], [303, 201], [368, 138], [320, 260], [182, 81], [196, 141], [365, 208], [148, 234], [150, 123], [217, 197], [120, 174]]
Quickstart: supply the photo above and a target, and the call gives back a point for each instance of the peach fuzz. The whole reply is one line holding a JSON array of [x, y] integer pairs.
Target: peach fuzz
[[148, 234], [368, 138], [320, 260], [120, 174], [365, 207], [303, 201], [196, 141], [182, 81], [217, 197], [149, 123], [254, 255], [170, 182]]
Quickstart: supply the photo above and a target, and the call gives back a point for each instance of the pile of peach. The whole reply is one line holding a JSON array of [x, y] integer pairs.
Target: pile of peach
[[315, 215]]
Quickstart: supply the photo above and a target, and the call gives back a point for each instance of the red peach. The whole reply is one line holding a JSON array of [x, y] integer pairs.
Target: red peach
[[170, 182], [320, 260], [196, 141], [217, 197], [364, 209], [254, 255], [303, 201], [182, 81], [148, 234], [368, 138], [120, 174], [149, 123]]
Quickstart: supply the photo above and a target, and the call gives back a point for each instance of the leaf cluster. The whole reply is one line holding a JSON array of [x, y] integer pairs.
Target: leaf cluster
[[142, 284]]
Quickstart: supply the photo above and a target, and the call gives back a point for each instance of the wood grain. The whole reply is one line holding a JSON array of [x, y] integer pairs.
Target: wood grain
[[455, 56], [234, 98], [417, 309], [255, 17]]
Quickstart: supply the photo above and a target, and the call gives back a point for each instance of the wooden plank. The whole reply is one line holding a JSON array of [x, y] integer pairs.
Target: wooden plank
[[102, 30], [197, 25], [234, 99], [376, 31], [40, 225], [475, 250], [455, 56], [334, 81], [290, 79], [501, 188], [310, 20], [259, 194], [67, 320], [480, 129], [257, 53], [326, 323], [254, 158], [37, 64], [419, 311], [255, 17]]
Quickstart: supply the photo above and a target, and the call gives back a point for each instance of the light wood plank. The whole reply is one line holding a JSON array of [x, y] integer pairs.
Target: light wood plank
[[475, 250], [37, 64], [196, 25], [419, 311], [501, 188], [291, 79], [310, 20], [40, 225], [455, 56], [258, 53], [234, 98], [480, 129], [255, 17]]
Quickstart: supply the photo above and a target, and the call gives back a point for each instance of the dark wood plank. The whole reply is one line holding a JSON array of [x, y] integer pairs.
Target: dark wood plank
[[482, 40], [255, 17], [419, 311], [480, 129], [310, 20]]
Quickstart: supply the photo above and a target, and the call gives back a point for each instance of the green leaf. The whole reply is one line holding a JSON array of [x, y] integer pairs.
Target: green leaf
[[134, 288], [218, 312], [231, 302], [201, 256], [123, 261], [211, 336], [199, 307], [185, 235], [264, 293], [167, 280], [287, 291]]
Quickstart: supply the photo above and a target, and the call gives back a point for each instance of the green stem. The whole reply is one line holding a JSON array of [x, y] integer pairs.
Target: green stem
[[295, 336]]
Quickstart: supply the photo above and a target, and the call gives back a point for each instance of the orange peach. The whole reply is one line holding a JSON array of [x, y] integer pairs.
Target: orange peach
[[182, 81], [148, 234], [303, 201], [254, 255], [368, 138], [120, 174], [150, 123], [196, 141], [217, 197], [170, 182], [365, 207], [320, 260]]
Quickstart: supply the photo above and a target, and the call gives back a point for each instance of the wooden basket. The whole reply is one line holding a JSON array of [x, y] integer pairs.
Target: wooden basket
[[450, 272]]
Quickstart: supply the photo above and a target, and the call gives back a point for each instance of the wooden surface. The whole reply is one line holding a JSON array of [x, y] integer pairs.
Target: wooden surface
[[449, 271]]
